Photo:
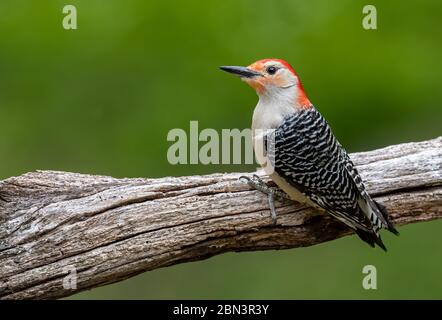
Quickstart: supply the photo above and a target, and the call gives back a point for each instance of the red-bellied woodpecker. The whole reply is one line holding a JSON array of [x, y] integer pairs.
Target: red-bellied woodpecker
[[307, 162]]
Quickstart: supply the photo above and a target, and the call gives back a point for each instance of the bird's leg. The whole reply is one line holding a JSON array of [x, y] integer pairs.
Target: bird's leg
[[257, 183], [272, 193], [271, 199]]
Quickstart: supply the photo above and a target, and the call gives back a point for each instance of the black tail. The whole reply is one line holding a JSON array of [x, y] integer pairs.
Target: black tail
[[371, 238], [390, 225]]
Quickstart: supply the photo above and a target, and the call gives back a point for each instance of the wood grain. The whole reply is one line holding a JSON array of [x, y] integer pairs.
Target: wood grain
[[110, 229]]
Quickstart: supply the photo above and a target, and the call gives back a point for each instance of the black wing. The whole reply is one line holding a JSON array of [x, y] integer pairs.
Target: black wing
[[304, 151]]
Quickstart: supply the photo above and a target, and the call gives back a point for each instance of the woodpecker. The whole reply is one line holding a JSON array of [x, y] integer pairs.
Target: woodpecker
[[307, 161]]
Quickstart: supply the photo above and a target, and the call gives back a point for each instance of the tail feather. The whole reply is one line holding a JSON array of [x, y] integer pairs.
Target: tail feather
[[371, 238], [384, 212]]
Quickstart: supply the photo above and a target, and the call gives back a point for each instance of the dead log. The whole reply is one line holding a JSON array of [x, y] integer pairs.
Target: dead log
[[106, 229]]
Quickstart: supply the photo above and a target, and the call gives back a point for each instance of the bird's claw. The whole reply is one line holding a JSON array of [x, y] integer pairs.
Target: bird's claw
[[247, 179], [257, 183]]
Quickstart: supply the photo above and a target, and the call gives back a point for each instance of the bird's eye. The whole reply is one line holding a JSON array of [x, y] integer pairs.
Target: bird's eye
[[272, 70]]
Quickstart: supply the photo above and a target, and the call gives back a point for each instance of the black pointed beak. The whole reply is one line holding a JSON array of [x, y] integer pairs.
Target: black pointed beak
[[243, 72]]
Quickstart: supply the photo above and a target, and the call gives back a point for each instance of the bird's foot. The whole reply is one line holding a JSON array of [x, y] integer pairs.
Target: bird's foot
[[271, 192]]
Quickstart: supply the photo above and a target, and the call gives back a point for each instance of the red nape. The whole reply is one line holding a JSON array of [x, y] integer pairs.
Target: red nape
[[303, 101]]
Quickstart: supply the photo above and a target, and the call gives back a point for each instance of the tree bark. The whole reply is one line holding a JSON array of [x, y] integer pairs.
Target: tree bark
[[61, 233]]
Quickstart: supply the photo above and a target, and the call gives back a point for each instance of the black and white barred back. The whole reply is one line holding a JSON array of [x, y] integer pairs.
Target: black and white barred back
[[304, 151]]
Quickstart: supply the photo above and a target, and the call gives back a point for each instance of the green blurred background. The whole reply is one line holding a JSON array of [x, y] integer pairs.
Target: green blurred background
[[101, 100]]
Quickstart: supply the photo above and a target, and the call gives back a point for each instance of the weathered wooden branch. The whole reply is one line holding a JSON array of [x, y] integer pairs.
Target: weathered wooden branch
[[110, 229]]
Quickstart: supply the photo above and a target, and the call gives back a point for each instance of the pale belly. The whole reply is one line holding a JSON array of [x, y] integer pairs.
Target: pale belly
[[292, 192], [262, 159]]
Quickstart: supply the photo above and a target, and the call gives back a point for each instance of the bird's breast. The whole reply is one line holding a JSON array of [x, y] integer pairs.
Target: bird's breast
[[291, 191], [267, 116]]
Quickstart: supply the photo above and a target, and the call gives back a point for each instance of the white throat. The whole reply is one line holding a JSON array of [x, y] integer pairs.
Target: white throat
[[273, 106], [269, 114]]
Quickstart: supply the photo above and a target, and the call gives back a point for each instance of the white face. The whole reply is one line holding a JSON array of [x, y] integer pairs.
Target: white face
[[275, 77], [274, 80]]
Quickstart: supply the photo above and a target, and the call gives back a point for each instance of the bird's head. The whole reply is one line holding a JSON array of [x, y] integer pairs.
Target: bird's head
[[272, 79]]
